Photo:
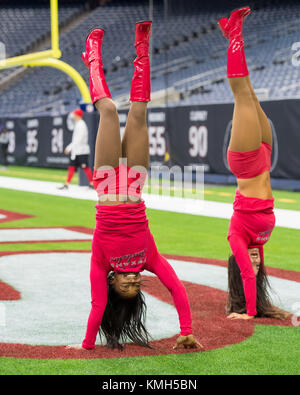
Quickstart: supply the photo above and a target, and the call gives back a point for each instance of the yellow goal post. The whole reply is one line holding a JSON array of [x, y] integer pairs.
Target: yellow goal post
[[50, 58]]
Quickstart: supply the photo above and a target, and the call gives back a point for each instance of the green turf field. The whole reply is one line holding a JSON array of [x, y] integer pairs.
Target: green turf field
[[283, 199], [271, 350]]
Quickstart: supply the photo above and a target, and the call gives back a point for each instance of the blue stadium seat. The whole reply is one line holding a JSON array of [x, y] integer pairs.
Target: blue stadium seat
[[189, 53]]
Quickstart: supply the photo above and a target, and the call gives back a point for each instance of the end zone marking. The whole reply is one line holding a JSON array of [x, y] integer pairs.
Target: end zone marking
[[211, 326], [45, 234], [8, 216]]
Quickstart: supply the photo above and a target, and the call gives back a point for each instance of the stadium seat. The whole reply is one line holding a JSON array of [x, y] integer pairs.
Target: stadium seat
[[189, 53]]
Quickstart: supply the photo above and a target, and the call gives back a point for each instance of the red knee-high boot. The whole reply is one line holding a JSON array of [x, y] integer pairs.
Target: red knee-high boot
[[92, 59], [71, 171], [88, 173], [141, 86], [232, 29]]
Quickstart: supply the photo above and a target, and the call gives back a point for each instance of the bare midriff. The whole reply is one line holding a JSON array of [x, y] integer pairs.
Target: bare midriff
[[113, 200], [257, 187]]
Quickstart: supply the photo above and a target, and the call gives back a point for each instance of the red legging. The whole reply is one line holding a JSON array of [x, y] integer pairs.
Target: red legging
[[87, 171]]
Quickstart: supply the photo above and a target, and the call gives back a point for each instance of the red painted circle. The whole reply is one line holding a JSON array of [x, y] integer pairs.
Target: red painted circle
[[211, 327]]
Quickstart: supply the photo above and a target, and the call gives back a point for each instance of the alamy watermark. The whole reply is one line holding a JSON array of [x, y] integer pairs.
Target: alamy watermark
[[160, 180]]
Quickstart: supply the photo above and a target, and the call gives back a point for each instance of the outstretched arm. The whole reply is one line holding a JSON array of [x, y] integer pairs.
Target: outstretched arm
[[169, 279], [98, 278], [164, 271], [239, 249]]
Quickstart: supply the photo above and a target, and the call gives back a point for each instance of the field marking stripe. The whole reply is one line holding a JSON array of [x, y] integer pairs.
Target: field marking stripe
[[19, 235], [275, 272], [45, 241], [208, 275], [284, 218]]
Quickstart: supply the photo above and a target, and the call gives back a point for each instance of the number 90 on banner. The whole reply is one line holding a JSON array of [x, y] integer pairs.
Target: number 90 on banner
[[198, 139]]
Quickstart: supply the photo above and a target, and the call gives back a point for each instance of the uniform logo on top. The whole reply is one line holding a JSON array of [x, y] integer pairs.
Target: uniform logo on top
[[129, 260], [264, 236]]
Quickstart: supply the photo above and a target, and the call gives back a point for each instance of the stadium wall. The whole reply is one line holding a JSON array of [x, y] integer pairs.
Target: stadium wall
[[184, 136]]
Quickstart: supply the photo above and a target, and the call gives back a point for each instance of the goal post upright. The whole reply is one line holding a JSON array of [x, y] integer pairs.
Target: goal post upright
[[54, 27], [50, 58]]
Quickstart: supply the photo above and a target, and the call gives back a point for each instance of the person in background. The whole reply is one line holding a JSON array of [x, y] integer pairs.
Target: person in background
[[4, 142], [123, 245], [79, 150], [249, 158]]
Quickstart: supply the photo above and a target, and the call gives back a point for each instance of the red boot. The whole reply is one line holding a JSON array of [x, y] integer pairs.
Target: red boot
[[92, 59], [141, 86], [232, 29]]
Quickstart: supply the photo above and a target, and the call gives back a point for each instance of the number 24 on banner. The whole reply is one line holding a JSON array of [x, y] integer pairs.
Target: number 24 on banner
[[57, 141]]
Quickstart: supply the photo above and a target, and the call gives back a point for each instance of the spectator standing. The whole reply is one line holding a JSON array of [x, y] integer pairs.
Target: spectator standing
[[79, 150], [4, 142]]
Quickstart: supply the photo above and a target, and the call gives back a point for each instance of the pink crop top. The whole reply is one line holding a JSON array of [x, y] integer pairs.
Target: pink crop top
[[250, 226], [121, 180]]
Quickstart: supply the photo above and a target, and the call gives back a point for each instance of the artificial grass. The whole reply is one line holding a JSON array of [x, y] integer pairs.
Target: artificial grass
[[47, 210], [283, 199], [38, 173], [269, 351], [196, 235]]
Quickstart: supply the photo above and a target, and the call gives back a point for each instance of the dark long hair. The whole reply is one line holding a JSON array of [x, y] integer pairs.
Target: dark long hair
[[124, 318], [236, 302]]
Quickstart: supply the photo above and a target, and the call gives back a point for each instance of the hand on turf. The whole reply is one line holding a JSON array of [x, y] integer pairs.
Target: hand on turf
[[75, 347], [236, 316], [187, 341]]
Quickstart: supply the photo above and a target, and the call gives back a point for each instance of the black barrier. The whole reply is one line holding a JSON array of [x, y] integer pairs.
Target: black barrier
[[41, 141], [183, 136], [38, 141]]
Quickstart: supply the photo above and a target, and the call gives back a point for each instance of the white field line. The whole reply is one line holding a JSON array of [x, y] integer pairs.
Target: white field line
[[284, 218], [41, 234], [55, 300]]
